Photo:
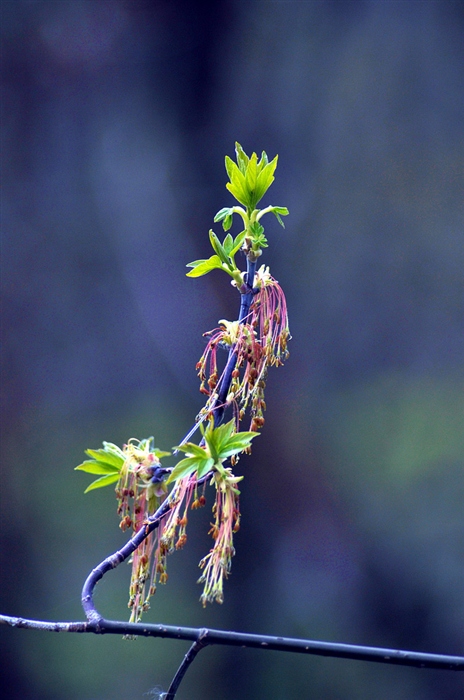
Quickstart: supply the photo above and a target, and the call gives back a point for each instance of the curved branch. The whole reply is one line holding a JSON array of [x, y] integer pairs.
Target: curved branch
[[111, 562]]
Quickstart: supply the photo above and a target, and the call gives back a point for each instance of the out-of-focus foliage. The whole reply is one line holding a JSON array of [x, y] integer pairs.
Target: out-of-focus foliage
[[115, 118]]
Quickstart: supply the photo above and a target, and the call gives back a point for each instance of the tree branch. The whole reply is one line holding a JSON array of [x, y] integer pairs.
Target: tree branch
[[183, 668], [207, 637]]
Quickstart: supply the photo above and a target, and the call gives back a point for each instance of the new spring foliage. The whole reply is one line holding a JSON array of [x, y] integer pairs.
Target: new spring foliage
[[234, 383]]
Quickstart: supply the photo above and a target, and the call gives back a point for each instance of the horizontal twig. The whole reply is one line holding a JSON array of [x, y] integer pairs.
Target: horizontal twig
[[258, 641]]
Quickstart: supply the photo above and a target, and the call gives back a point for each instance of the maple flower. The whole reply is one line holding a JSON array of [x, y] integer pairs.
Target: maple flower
[[259, 342], [217, 564], [139, 492]]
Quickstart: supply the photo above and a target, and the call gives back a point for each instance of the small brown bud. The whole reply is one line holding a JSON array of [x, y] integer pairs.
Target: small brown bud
[[181, 541]]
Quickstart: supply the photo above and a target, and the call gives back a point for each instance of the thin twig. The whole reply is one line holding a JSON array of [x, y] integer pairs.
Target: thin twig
[[257, 641], [183, 668], [246, 297]]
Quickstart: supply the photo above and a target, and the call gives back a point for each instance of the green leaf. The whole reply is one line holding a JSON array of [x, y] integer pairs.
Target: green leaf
[[261, 241], [204, 466], [278, 212], [237, 185], [183, 468], [242, 158], [188, 466], [202, 267], [228, 244], [263, 161], [235, 174], [160, 453], [265, 179], [193, 450], [93, 467], [111, 447], [226, 216], [229, 166], [251, 176], [238, 243], [236, 443], [256, 229], [103, 481], [217, 437], [238, 192], [222, 214], [217, 246], [258, 237], [227, 223], [107, 457]]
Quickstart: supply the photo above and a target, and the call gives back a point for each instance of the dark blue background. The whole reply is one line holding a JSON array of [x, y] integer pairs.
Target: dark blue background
[[116, 119]]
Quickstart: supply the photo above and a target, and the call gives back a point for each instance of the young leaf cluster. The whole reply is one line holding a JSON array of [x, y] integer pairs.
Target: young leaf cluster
[[219, 444], [108, 462], [249, 180], [223, 259]]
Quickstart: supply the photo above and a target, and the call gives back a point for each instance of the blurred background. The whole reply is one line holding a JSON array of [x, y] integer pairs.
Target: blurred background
[[117, 115]]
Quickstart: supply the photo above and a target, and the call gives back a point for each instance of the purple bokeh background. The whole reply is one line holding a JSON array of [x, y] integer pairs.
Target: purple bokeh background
[[116, 117]]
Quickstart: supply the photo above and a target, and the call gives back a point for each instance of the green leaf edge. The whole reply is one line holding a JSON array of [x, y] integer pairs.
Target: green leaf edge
[[95, 467], [103, 455], [103, 481]]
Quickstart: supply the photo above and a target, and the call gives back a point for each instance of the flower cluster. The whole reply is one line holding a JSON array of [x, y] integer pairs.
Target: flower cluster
[[219, 445], [217, 563], [139, 492], [258, 342]]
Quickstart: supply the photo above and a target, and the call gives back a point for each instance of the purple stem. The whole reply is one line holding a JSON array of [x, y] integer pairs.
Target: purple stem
[[111, 562], [246, 297]]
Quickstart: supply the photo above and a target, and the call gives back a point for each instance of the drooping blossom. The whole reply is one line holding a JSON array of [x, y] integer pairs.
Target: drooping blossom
[[216, 565], [259, 342]]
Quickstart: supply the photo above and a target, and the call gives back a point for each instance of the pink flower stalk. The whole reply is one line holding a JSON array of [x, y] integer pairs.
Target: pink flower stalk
[[218, 562], [269, 308], [259, 342], [142, 560], [152, 553], [173, 535]]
